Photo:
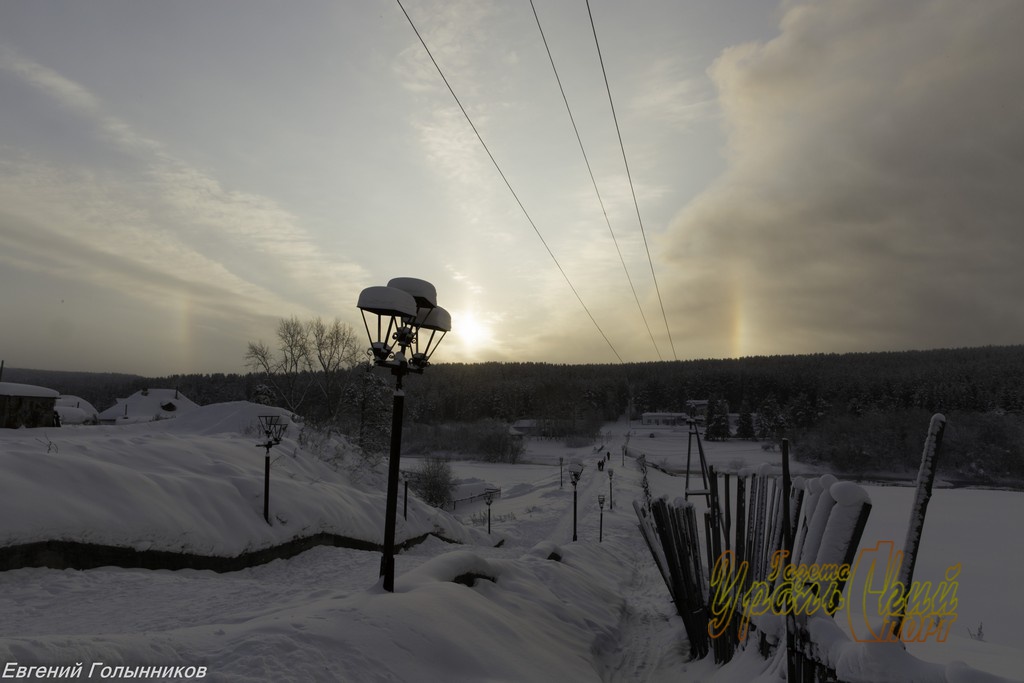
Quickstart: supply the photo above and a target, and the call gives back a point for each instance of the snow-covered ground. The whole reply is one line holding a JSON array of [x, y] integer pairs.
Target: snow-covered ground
[[540, 608]]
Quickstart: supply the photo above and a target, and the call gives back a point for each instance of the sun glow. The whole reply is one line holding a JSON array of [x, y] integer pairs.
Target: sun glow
[[472, 332]]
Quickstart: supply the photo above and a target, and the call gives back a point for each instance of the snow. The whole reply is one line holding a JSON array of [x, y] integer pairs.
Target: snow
[[387, 301], [421, 290], [147, 405], [26, 390], [539, 607], [75, 410]]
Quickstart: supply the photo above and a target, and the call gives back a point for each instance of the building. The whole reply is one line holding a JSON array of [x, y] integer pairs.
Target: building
[[75, 410], [669, 419], [25, 405], [147, 405]]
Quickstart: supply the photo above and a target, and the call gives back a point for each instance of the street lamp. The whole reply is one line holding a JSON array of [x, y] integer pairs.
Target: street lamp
[[611, 499], [574, 478], [272, 429], [489, 498], [402, 313], [600, 528]]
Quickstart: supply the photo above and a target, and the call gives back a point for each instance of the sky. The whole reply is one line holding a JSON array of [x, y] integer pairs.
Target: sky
[[808, 177]]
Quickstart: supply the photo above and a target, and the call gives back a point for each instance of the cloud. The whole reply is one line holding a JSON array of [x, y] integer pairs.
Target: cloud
[[876, 151], [163, 219], [666, 91]]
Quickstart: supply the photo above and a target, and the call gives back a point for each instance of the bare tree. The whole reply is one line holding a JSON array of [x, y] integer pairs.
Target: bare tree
[[308, 354], [334, 349]]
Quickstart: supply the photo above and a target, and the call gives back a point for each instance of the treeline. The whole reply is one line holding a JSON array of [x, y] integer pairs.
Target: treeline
[[804, 388], [856, 410]]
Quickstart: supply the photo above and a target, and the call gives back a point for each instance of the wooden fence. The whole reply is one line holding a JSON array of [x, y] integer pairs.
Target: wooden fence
[[747, 543]]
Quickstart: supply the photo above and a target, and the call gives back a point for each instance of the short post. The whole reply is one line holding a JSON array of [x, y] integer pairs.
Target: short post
[[611, 499], [272, 428], [560, 461], [405, 501], [266, 487], [600, 526], [574, 476], [489, 498]]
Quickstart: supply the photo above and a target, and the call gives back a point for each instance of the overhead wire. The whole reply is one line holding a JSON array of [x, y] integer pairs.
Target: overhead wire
[[505, 179], [629, 177], [593, 180]]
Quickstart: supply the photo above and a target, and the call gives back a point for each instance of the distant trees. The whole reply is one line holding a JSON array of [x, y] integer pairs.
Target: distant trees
[[488, 440], [771, 421], [316, 370], [717, 421], [310, 356], [861, 409], [745, 424]]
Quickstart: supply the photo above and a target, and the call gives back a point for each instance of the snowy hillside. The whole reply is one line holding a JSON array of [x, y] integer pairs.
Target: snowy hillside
[[538, 607]]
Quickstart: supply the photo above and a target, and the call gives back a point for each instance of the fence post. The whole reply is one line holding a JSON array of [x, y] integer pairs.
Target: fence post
[[925, 479]]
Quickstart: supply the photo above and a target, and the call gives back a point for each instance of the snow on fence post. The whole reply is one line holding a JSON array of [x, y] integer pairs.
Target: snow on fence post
[[925, 479], [787, 544], [741, 517]]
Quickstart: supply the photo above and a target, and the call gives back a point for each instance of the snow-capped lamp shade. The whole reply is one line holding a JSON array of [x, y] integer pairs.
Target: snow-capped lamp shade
[[422, 291], [432, 324], [391, 307]]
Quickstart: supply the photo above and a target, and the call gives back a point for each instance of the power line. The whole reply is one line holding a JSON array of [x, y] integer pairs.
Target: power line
[[505, 179], [630, 178], [572, 119]]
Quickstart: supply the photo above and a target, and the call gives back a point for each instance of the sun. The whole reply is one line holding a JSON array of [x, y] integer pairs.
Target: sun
[[471, 330]]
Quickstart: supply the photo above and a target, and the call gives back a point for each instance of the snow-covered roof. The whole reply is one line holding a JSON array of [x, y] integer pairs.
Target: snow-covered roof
[[26, 390], [74, 410], [69, 401], [148, 404]]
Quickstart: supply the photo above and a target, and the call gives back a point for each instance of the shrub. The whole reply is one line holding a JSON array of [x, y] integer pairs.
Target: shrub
[[434, 481]]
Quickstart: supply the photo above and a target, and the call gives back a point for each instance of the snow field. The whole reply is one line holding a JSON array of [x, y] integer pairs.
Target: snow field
[[600, 612]]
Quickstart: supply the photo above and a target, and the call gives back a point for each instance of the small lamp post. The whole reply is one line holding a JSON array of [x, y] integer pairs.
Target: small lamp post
[[402, 315], [489, 498], [560, 461], [574, 478], [272, 428], [611, 499], [600, 528]]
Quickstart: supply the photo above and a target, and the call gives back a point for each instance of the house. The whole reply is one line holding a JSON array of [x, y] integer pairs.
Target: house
[[75, 410], [525, 428], [147, 405], [25, 405], [670, 419]]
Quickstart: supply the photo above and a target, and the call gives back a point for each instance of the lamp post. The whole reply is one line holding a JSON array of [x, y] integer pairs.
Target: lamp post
[[611, 499], [600, 527], [489, 498], [574, 478], [272, 428], [402, 314]]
